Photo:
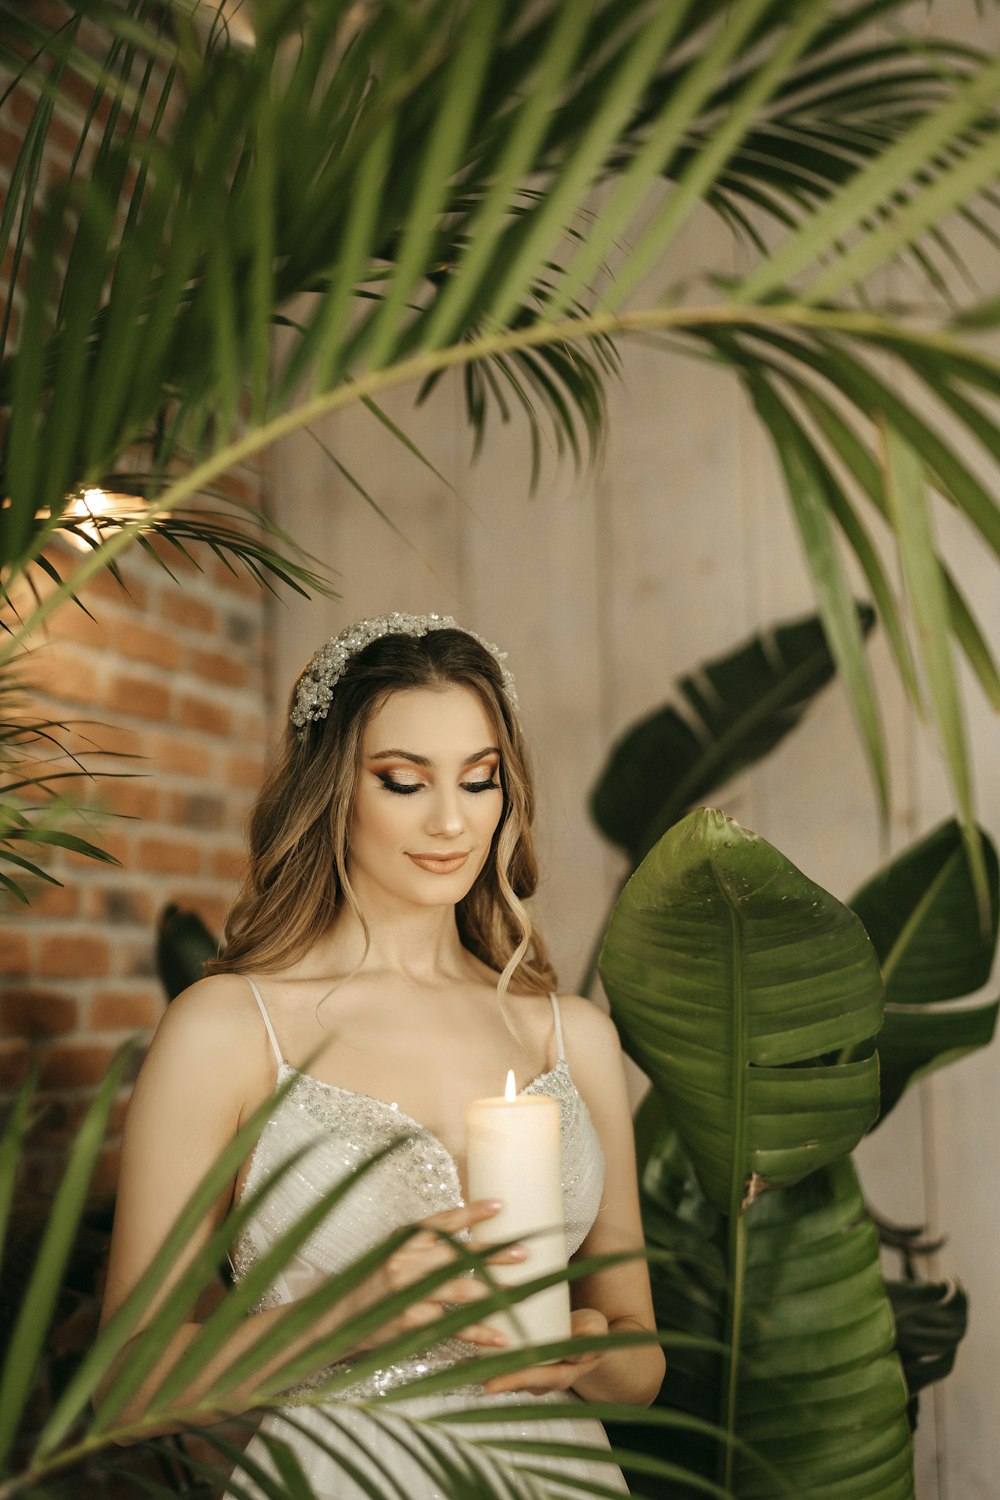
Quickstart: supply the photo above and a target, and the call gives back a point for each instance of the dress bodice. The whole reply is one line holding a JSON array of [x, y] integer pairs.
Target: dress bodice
[[333, 1131]]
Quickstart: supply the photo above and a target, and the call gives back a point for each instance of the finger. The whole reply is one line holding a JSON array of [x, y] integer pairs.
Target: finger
[[460, 1291], [482, 1333], [508, 1256], [453, 1219], [538, 1379]]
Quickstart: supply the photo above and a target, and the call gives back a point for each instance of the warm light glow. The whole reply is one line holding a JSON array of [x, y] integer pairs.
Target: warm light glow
[[510, 1090], [92, 503]]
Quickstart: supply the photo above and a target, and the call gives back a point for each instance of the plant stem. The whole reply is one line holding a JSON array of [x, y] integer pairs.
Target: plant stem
[[737, 1242]]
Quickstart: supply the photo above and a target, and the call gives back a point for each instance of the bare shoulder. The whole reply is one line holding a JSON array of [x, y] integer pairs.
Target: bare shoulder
[[217, 1008], [214, 1028], [588, 1029]]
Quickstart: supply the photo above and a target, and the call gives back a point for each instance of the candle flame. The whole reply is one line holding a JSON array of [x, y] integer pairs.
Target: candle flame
[[510, 1088]]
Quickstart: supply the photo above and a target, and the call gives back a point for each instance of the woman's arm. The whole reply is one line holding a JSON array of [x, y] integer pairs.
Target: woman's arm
[[208, 1068], [618, 1298]]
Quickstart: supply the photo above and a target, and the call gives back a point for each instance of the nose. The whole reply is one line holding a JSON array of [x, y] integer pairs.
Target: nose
[[444, 813]]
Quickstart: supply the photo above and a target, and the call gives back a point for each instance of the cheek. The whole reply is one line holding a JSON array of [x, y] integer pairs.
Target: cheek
[[491, 817], [378, 816]]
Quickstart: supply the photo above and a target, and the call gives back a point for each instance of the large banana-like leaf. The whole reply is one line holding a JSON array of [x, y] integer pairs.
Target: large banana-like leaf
[[732, 977], [738, 708], [814, 1385], [922, 915]]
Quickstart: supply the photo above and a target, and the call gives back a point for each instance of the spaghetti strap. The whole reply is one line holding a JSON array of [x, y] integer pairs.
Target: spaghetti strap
[[267, 1019], [558, 1020]]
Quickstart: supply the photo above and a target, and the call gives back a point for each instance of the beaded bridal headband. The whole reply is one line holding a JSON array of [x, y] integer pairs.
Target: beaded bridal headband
[[327, 667]]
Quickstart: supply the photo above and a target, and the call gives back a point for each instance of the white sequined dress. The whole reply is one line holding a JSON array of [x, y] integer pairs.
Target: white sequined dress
[[336, 1130]]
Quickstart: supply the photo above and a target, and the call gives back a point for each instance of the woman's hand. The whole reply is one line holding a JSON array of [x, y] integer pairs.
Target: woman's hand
[[538, 1379], [425, 1252]]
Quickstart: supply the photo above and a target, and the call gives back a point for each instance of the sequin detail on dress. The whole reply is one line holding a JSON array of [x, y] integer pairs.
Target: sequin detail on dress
[[334, 1130]]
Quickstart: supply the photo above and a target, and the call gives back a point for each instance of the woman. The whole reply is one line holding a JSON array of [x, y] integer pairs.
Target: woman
[[381, 942]]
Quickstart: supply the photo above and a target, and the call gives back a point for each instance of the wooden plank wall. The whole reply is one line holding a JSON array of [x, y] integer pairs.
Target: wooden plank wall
[[605, 586]]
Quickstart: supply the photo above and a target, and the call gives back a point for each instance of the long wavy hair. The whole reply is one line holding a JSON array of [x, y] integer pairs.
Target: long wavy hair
[[299, 828]]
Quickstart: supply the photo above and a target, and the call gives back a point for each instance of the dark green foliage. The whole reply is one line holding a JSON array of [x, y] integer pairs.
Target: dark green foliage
[[738, 707], [922, 915], [183, 946]]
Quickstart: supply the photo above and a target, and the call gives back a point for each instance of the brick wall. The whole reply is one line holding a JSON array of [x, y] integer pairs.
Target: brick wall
[[174, 673]]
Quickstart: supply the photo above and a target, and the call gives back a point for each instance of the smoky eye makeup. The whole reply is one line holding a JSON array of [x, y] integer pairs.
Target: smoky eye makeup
[[484, 779], [393, 781]]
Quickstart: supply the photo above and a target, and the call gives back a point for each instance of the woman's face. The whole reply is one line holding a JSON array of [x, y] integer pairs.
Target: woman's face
[[428, 796]]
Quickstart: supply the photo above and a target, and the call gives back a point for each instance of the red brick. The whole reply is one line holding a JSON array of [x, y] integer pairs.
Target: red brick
[[14, 1059], [55, 901], [193, 614], [134, 597], [196, 810], [236, 582], [63, 674], [229, 864], [75, 1064], [116, 843], [213, 911], [70, 623], [105, 1178], [125, 1010], [30, 1012], [157, 647], [185, 757], [139, 697], [178, 564], [82, 90], [218, 666], [56, 1128], [242, 485], [169, 856], [199, 713], [61, 138], [134, 797], [109, 739], [73, 956], [122, 905], [245, 770], [76, 1109], [116, 1119], [15, 953]]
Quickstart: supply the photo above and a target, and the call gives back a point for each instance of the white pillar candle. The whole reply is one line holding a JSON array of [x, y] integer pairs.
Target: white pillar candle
[[513, 1155]]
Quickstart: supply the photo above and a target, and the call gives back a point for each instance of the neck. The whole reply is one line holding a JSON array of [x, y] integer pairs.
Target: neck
[[420, 943]]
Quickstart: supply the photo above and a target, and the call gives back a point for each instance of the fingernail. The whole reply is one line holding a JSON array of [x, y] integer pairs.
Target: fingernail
[[494, 1203]]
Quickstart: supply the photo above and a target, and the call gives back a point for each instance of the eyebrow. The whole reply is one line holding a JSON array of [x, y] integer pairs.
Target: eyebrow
[[421, 760]]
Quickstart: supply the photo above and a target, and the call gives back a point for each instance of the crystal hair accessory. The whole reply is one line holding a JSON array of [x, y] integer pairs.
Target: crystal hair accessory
[[327, 667]]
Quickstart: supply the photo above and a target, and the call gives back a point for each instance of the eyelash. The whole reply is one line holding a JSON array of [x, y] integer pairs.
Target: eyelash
[[406, 789]]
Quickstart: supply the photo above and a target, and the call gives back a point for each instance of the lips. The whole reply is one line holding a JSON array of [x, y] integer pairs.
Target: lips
[[439, 864]]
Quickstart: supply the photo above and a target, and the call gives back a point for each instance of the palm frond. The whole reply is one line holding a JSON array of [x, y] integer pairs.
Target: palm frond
[[73, 1435], [409, 196]]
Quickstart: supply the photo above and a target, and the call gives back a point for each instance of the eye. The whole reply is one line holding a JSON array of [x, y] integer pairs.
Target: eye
[[482, 784], [403, 788]]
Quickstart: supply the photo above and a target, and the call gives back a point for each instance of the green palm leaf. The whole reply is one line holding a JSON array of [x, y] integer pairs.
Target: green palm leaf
[[75, 1440], [921, 914], [737, 708]]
